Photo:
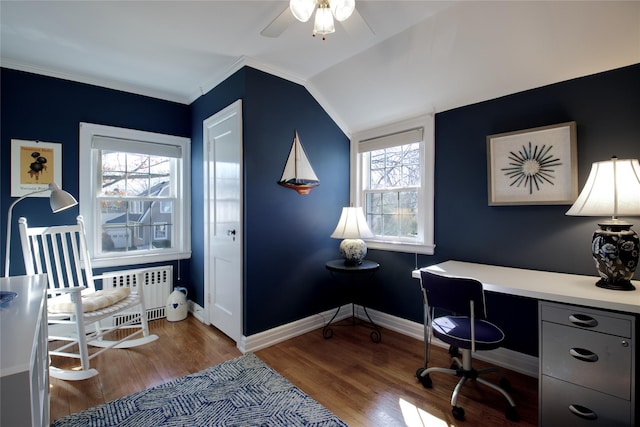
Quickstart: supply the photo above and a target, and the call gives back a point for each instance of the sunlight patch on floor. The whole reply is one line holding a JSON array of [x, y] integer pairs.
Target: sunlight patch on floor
[[416, 417]]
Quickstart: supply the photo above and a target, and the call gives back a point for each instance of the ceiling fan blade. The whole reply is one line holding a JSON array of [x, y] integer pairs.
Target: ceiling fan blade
[[279, 24], [357, 26]]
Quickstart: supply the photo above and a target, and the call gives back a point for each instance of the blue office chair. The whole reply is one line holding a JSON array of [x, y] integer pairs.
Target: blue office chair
[[465, 329]]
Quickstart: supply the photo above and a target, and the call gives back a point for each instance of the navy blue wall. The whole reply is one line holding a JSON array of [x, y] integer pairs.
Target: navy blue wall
[[286, 234], [606, 108], [35, 107]]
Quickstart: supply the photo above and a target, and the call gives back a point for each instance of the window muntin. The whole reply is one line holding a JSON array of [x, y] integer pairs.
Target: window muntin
[[393, 182], [391, 185], [136, 203]]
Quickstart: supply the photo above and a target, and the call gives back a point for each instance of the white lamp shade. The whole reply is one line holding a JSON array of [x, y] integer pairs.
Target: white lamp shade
[[612, 189], [302, 9], [342, 9], [60, 199], [352, 225], [324, 22]]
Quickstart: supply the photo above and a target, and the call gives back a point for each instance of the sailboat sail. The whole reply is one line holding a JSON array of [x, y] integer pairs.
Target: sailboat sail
[[298, 173]]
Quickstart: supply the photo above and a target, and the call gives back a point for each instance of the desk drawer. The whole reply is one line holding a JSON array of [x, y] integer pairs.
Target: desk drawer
[[584, 318], [586, 358], [566, 404]]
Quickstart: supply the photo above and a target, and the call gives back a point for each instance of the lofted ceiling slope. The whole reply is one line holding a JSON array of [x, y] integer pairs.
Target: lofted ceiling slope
[[400, 59]]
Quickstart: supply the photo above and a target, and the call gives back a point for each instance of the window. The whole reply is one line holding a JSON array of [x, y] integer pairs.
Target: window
[[134, 195], [136, 206], [393, 169]]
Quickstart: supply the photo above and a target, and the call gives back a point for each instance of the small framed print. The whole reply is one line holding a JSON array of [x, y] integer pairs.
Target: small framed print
[[535, 166], [34, 165]]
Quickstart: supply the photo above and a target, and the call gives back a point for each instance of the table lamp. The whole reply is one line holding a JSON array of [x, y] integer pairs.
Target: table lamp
[[352, 227], [612, 189], [59, 201]]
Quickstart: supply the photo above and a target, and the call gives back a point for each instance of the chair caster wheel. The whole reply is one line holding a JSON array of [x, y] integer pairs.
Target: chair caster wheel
[[425, 380], [512, 414], [458, 413]]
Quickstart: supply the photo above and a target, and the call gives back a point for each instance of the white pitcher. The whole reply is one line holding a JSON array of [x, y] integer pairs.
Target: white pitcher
[[177, 305]]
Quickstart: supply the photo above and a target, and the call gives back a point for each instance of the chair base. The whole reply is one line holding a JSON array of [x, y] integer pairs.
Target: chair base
[[125, 344], [465, 371], [65, 333], [83, 374], [70, 375]]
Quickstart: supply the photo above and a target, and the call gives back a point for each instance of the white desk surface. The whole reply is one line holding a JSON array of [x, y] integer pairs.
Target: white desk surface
[[542, 285], [19, 320]]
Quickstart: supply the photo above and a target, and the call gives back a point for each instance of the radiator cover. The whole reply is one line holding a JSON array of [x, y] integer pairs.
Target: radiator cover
[[157, 283]]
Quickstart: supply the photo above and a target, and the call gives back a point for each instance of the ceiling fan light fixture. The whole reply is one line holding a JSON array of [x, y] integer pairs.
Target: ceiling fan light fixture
[[302, 9], [324, 21], [342, 9]]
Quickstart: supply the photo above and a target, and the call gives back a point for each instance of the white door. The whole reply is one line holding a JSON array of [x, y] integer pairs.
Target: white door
[[223, 219]]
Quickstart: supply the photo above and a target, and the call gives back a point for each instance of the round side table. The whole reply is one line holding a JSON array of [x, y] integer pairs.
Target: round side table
[[338, 268]]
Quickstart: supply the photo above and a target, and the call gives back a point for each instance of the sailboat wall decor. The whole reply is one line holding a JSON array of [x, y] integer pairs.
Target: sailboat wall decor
[[298, 174]]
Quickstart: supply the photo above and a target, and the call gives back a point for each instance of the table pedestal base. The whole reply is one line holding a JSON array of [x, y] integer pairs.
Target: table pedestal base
[[376, 334]]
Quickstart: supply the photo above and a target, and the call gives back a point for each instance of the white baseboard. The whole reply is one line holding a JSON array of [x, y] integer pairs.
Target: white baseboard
[[282, 333], [508, 359], [197, 310]]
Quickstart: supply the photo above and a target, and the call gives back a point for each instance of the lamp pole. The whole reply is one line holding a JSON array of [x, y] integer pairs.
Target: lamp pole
[[8, 247], [59, 201]]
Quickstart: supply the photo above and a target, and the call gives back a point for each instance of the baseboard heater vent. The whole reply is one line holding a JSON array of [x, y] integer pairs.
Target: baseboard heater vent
[[157, 282]]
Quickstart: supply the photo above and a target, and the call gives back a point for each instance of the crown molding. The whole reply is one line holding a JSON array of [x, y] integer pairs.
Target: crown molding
[[95, 81], [326, 106], [206, 86], [261, 66], [243, 61]]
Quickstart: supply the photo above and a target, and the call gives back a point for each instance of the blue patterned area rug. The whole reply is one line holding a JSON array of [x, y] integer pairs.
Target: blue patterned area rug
[[239, 392]]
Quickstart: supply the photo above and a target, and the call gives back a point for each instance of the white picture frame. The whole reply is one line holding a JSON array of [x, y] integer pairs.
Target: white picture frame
[[536, 166], [34, 165]]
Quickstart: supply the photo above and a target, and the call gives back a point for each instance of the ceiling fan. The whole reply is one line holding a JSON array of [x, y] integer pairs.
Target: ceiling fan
[[301, 10]]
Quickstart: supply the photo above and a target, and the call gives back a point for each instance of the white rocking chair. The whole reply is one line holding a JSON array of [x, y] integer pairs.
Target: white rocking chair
[[74, 307]]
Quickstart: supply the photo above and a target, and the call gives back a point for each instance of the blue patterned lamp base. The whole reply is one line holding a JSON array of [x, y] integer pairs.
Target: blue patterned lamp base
[[353, 251], [615, 249]]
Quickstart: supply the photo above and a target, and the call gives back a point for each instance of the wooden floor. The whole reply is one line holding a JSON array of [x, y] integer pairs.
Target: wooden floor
[[363, 383]]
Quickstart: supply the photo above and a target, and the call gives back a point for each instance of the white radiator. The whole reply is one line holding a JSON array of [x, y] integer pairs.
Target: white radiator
[[157, 283]]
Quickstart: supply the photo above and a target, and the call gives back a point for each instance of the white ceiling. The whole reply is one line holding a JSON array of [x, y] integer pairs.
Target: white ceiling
[[422, 56]]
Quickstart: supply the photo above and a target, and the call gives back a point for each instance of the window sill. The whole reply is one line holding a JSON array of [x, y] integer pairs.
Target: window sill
[[138, 259], [401, 247]]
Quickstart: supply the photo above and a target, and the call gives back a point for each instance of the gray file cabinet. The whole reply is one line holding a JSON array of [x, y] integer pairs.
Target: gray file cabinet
[[587, 366]]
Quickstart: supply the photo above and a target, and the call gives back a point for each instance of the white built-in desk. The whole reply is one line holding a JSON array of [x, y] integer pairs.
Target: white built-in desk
[[587, 351], [24, 361], [543, 285]]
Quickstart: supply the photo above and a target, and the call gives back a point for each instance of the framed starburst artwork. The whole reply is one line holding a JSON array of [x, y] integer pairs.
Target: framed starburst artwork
[[535, 166]]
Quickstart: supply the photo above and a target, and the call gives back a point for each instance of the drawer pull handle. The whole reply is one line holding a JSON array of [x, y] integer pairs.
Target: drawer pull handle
[[583, 320], [584, 355], [583, 412]]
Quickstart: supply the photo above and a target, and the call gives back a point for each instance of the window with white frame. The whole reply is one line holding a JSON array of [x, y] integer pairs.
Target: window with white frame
[[393, 170], [134, 195]]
